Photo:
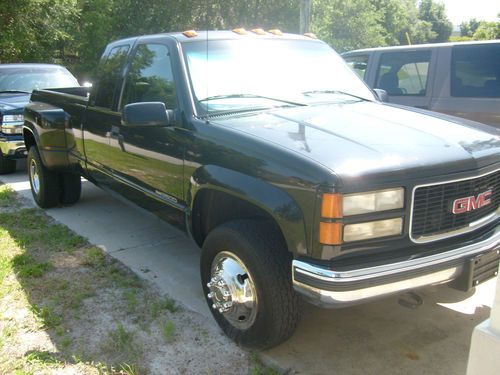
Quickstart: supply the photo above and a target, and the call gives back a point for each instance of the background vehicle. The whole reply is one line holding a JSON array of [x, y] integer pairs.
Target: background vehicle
[[290, 175], [460, 79], [17, 81]]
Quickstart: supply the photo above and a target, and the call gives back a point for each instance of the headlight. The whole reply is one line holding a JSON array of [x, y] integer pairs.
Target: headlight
[[373, 229], [12, 118], [375, 201]]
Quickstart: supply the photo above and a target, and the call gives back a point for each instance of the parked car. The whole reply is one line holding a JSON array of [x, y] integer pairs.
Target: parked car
[[282, 166], [460, 79], [17, 81]]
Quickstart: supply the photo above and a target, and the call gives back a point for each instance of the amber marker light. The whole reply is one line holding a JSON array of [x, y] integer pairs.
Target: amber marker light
[[190, 33], [331, 206], [311, 35], [276, 32], [330, 233], [259, 31], [240, 31]]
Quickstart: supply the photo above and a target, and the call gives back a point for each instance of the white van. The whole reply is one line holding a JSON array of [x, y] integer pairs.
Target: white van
[[461, 79]]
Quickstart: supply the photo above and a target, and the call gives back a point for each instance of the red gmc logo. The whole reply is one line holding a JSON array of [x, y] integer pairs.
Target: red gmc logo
[[467, 204]]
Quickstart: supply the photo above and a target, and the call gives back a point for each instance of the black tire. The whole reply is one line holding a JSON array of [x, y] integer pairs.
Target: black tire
[[45, 186], [7, 165], [267, 260], [71, 188]]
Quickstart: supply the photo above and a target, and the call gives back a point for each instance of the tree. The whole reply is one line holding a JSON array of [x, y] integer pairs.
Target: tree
[[469, 28], [435, 13], [348, 24], [36, 30], [487, 31]]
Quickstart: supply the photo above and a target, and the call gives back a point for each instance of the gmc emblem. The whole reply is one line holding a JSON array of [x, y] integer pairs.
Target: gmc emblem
[[467, 204]]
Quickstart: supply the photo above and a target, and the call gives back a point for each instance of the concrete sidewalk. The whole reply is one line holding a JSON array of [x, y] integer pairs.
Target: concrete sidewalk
[[384, 337]]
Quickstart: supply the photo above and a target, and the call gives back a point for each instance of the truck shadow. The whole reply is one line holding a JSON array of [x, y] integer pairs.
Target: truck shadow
[[389, 337]]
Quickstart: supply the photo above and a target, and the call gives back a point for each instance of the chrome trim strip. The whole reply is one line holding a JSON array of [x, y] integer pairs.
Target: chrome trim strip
[[343, 278], [471, 227]]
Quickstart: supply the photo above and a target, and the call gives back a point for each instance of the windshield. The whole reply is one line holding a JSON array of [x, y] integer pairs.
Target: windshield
[[35, 78], [235, 75]]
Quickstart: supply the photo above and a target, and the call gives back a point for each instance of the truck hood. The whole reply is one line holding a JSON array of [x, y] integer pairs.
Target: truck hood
[[375, 141], [11, 101]]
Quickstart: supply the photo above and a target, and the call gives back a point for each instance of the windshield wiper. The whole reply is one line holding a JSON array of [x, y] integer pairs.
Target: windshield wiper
[[15, 91], [251, 96], [332, 92]]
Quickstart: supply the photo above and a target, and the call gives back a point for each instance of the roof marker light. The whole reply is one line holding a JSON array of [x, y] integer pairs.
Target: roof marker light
[[276, 32], [240, 31], [190, 33], [311, 35], [259, 31]]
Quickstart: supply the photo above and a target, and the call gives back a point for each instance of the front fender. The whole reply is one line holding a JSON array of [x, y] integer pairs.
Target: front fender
[[276, 202]]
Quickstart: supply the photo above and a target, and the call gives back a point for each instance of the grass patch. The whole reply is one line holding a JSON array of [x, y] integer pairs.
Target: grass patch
[[168, 331], [26, 266], [47, 316], [258, 368], [159, 306], [7, 196]]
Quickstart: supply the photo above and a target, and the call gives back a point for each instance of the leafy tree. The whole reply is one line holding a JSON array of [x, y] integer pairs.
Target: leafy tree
[[469, 28], [435, 13], [348, 24], [487, 31], [36, 30]]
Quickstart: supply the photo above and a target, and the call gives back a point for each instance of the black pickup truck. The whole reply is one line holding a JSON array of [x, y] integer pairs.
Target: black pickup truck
[[282, 165]]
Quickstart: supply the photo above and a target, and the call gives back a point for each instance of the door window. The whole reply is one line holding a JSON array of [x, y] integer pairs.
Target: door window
[[475, 71], [358, 63], [404, 73], [150, 77]]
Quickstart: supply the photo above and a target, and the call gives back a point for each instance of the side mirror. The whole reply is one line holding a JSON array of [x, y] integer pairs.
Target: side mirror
[[382, 95], [147, 114]]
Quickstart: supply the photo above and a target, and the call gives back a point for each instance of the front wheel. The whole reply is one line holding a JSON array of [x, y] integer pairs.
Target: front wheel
[[246, 276], [45, 185]]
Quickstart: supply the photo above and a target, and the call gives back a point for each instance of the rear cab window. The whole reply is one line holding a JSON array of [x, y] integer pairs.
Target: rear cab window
[[404, 73], [475, 71], [110, 70], [358, 63]]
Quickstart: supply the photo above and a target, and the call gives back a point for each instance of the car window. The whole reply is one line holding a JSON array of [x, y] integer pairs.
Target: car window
[[109, 71], [404, 73], [150, 77], [358, 63], [475, 71]]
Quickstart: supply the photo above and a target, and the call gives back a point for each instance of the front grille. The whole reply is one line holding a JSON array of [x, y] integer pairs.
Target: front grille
[[432, 205]]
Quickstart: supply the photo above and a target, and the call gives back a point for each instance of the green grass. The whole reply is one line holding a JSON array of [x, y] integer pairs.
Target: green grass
[[7, 196], [161, 305], [168, 331]]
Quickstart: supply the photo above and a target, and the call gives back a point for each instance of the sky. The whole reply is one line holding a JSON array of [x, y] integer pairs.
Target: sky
[[463, 10]]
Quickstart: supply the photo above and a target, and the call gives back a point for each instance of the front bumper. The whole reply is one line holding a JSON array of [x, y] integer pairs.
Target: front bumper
[[330, 288], [12, 148]]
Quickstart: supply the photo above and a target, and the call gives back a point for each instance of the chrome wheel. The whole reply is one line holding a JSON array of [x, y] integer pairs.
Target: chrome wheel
[[232, 290], [34, 176]]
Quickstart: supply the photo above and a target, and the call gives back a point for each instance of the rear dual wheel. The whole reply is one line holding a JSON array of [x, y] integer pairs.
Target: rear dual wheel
[[50, 188]]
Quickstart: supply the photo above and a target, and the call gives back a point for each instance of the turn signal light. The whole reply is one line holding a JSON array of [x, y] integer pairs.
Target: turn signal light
[[331, 206], [190, 33], [276, 32], [330, 233]]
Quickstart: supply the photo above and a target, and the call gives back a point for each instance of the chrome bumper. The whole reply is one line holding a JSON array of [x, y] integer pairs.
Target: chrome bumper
[[329, 288], [14, 149]]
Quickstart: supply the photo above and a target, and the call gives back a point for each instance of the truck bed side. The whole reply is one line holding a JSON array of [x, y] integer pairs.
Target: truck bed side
[[52, 122]]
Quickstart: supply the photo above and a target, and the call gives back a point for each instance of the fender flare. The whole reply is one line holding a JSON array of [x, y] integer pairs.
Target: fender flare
[[277, 203]]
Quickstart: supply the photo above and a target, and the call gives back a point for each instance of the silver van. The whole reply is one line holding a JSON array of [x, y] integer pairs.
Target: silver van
[[460, 79]]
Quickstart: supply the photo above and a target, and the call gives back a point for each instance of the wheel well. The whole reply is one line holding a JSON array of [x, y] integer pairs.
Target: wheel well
[[29, 139], [212, 208]]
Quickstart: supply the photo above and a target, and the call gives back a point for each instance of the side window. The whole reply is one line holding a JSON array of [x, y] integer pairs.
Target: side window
[[358, 63], [110, 70], [150, 77], [475, 71], [404, 73]]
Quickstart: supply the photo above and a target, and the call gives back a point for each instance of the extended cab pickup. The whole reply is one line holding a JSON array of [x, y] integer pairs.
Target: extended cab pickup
[[282, 166]]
